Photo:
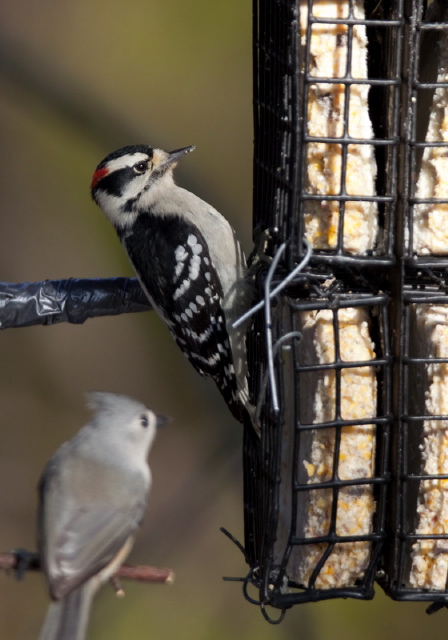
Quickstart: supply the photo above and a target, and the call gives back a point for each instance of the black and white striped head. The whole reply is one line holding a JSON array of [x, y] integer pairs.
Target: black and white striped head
[[131, 178]]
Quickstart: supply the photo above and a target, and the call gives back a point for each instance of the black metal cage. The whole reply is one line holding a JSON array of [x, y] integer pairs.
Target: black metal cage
[[417, 561], [302, 540], [425, 138], [312, 190], [287, 86]]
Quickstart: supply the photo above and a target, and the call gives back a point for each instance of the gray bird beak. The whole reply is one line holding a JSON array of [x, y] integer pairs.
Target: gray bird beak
[[162, 420], [177, 154]]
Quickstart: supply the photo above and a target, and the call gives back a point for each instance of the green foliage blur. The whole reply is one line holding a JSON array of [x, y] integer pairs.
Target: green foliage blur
[[79, 79]]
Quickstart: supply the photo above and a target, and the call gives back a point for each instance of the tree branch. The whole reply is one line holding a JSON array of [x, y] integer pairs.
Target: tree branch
[[24, 560]]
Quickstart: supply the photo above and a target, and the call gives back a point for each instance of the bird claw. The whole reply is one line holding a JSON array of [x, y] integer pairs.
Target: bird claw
[[24, 561], [259, 255], [116, 585]]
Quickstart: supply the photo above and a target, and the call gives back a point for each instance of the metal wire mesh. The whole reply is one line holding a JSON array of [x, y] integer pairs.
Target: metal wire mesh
[[425, 137], [417, 561], [287, 87], [346, 199], [294, 549], [298, 546]]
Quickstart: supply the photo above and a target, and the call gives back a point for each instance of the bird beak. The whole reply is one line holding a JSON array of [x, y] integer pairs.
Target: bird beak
[[162, 420], [176, 155]]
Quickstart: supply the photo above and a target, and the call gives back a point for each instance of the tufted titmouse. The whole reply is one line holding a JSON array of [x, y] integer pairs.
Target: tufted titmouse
[[93, 494]]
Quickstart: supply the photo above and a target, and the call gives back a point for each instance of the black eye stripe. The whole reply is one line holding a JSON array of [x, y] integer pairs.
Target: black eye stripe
[[116, 182]]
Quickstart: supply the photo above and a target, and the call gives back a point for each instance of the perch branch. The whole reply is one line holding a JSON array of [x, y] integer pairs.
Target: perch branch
[[25, 304], [12, 561]]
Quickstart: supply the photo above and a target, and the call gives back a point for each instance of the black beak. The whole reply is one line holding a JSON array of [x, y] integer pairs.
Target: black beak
[[177, 154], [162, 420]]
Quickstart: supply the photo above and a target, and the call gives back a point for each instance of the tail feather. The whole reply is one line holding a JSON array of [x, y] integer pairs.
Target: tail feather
[[68, 618]]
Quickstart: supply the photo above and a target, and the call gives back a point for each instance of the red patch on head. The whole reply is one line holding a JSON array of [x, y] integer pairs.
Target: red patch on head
[[97, 176]]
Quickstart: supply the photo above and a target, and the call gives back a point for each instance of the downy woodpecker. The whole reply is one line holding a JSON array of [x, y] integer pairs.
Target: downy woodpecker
[[187, 258]]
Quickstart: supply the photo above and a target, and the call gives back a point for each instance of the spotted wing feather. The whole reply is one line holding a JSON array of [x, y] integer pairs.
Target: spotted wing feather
[[177, 273]]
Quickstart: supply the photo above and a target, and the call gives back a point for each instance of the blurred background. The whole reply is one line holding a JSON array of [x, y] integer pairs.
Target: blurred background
[[78, 80]]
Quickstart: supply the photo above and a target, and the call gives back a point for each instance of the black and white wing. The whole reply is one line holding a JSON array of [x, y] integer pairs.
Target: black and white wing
[[172, 260]]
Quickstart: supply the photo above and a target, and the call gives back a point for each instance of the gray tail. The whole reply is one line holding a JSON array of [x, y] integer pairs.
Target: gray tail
[[68, 618]]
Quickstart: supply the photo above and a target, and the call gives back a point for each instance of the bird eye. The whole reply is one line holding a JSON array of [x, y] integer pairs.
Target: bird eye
[[144, 420], [141, 167]]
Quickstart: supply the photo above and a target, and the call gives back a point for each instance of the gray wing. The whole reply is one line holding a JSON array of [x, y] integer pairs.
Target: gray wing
[[80, 540], [88, 543]]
